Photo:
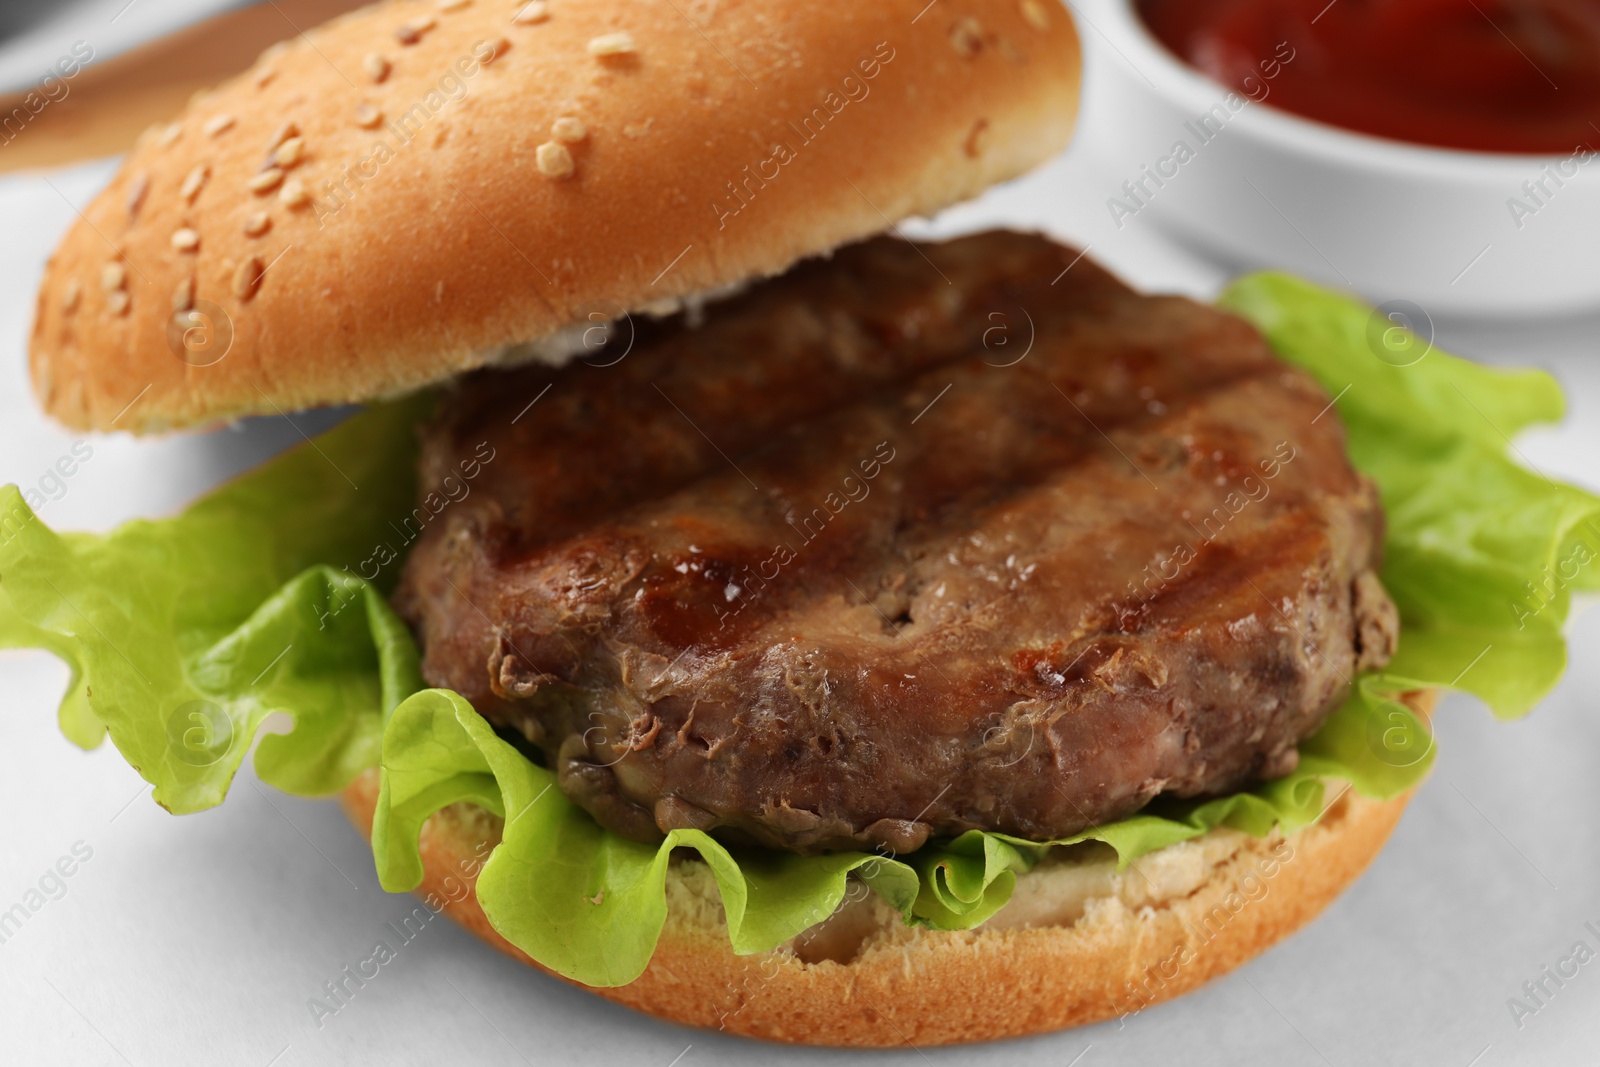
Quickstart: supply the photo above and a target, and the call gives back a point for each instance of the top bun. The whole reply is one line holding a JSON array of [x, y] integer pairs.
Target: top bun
[[397, 196]]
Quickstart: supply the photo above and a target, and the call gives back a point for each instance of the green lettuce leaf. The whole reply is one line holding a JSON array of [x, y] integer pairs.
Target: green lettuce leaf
[[577, 898], [1482, 554], [591, 905], [184, 634]]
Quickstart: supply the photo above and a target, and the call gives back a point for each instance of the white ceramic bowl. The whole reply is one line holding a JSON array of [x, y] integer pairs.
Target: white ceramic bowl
[[1431, 226]]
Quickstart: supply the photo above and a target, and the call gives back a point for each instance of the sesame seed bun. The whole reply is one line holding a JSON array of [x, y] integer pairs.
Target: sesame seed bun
[[541, 167], [1078, 942]]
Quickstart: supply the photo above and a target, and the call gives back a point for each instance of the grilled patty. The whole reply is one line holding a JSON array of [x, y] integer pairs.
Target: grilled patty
[[909, 541]]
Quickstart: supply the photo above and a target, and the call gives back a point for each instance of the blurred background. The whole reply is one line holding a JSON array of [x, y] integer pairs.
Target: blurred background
[[200, 940]]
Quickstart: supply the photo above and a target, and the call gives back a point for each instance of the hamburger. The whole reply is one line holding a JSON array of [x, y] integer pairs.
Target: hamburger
[[768, 623]]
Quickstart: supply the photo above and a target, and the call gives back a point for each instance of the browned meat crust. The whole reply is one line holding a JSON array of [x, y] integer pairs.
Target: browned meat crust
[[838, 569]]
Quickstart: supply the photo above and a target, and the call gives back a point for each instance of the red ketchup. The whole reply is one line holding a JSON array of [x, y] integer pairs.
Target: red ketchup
[[1486, 75]]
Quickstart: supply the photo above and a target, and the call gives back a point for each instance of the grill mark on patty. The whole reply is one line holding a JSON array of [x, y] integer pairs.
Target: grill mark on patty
[[956, 649], [948, 514], [713, 385]]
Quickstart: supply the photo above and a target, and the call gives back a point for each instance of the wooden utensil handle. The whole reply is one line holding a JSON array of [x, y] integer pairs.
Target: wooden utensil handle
[[103, 107]]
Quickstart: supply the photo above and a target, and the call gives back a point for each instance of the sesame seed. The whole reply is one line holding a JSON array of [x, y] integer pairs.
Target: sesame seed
[[376, 66], [117, 302], [1037, 16], [71, 295], [497, 48], [183, 295], [411, 32], [247, 279], [294, 193], [186, 240], [266, 181], [113, 276], [453, 5], [977, 139], [367, 116], [194, 182], [967, 36], [612, 44], [554, 160], [138, 189], [283, 133], [170, 134], [569, 129], [257, 224], [265, 77], [217, 125], [288, 153], [531, 12]]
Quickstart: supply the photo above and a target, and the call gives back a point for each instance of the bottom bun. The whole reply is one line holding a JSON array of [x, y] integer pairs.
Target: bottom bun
[[1079, 942]]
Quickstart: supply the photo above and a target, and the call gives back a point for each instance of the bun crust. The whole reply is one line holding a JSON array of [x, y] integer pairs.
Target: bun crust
[[381, 270], [1178, 918]]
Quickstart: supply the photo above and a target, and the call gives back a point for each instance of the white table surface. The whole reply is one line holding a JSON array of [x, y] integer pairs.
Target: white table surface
[[199, 940]]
